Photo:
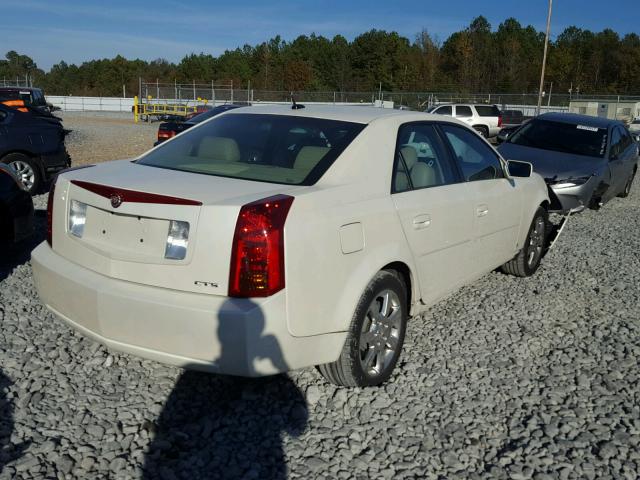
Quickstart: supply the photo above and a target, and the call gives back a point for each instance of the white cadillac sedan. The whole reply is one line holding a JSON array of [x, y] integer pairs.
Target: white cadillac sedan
[[273, 238]]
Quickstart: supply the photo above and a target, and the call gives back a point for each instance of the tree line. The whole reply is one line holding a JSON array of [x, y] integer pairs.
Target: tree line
[[477, 59]]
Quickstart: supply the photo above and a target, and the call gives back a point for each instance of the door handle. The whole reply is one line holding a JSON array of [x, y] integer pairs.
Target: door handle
[[482, 210], [421, 221]]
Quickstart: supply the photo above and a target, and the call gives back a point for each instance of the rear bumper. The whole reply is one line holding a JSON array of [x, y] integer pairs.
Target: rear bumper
[[246, 337]]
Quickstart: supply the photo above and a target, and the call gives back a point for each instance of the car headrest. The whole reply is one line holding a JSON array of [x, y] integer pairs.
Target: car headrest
[[309, 157], [410, 156], [221, 149], [422, 175]]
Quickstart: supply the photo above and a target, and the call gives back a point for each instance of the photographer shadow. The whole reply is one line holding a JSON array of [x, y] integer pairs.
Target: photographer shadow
[[8, 451], [223, 427]]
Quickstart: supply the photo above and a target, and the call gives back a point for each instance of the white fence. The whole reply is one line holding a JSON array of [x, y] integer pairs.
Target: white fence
[[116, 104], [92, 104]]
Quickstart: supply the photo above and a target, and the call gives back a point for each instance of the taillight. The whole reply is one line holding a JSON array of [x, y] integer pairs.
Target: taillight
[[499, 120], [166, 134], [50, 199], [257, 256]]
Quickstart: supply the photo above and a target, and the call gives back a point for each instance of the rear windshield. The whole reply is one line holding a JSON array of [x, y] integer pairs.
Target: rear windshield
[[487, 110], [266, 148], [562, 137]]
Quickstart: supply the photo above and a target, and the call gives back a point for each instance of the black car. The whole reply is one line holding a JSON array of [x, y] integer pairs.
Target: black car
[[586, 161], [168, 130], [16, 208], [33, 145]]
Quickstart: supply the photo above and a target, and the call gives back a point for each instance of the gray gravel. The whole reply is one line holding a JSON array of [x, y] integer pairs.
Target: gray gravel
[[509, 378]]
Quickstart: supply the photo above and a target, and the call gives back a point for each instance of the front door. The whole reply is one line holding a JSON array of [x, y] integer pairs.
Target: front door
[[435, 209], [497, 201]]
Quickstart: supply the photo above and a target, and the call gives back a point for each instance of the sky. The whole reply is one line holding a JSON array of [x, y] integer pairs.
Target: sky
[[79, 30]]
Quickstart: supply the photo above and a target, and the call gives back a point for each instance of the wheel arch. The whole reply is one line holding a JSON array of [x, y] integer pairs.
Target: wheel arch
[[407, 276]]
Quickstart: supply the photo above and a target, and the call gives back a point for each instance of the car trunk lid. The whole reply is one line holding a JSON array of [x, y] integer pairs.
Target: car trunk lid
[[129, 212]]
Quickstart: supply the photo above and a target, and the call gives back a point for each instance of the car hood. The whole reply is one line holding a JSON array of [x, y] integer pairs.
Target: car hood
[[552, 165]]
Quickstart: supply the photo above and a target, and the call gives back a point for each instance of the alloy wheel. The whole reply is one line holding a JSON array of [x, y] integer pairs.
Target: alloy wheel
[[536, 242], [24, 172], [380, 333]]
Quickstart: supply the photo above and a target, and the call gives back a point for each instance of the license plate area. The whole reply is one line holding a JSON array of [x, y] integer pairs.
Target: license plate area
[[125, 236]]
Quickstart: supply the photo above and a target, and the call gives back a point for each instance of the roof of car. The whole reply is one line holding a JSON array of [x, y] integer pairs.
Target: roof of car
[[22, 89], [577, 119], [346, 113]]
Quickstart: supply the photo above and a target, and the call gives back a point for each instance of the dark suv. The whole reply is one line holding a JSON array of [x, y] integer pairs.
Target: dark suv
[[32, 97], [33, 145]]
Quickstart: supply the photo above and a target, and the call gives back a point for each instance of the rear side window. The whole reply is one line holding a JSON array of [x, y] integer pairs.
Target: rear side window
[[487, 110], [477, 160], [421, 159], [265, 148]]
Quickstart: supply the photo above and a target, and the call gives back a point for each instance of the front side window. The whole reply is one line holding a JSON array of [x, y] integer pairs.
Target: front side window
[[444, 110], [477, 160], [266, 148], [616, 143], [421, 159]]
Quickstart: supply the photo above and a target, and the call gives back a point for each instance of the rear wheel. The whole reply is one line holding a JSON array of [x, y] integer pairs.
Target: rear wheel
[[527, 261], [482, 130], [376, 335], [627, 187], [27, 171]]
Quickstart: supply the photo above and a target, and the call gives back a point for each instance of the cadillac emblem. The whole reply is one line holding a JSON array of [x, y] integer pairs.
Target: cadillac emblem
[[116, 200]]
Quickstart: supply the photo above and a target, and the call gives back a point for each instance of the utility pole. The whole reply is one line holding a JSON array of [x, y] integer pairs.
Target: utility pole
[[549, 97], [544, 58]]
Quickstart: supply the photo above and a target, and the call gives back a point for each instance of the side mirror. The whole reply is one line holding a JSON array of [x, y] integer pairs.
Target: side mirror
[[519, 169], [636, 137]]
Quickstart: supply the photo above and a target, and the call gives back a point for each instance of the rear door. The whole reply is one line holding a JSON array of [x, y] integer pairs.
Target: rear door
[[435, 209], [464, 114], [497, 202]]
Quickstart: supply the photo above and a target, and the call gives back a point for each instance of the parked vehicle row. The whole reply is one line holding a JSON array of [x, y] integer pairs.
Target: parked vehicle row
[[273, 238], [269, 238]]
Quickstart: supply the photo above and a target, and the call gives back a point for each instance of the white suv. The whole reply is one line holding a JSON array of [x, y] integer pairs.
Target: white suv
[[485, 119]]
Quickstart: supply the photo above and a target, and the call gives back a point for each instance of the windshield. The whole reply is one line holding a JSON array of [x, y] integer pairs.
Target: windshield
[[562, 137], [267, 148]]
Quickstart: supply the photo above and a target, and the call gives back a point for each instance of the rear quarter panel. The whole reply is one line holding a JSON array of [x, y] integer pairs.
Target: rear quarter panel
[[323, 283]]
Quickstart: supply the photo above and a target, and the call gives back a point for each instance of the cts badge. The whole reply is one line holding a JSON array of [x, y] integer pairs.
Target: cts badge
[[116, 200]]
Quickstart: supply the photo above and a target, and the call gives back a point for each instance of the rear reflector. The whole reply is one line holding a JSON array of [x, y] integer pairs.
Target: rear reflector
[[257, 255], [132, 196], [165, 134]]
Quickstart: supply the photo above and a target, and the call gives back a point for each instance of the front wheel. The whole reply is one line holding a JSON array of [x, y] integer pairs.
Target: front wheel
[[527, 261], [627, 188], [376, 335]]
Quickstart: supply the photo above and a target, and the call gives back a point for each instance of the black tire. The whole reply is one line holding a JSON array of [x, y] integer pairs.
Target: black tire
[[349, 370], [34, 184], [527, 261], [627, 188], [482, 130]]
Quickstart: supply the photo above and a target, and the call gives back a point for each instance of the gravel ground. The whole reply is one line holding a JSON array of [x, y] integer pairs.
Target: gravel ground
[[99, 137], [509, 378]]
